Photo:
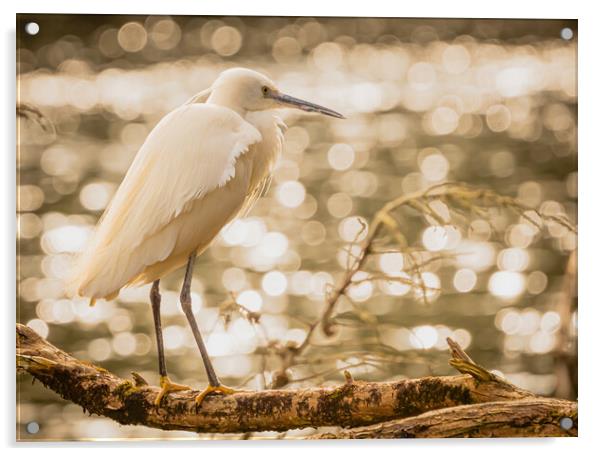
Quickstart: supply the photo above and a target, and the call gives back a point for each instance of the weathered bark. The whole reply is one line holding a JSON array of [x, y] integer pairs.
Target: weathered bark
[[536, 417], [354, 403]]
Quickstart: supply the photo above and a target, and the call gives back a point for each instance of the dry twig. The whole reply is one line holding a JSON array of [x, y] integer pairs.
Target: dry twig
[[458, 198]]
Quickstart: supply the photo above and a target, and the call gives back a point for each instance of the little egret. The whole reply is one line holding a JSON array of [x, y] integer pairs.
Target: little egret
[[203, 164]]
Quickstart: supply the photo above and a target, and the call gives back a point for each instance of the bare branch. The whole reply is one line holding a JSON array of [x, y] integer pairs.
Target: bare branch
[[354, 403], [463, 196], [526, 418]]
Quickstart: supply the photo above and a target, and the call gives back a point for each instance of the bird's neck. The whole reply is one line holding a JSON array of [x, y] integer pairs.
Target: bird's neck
[[221, 98]]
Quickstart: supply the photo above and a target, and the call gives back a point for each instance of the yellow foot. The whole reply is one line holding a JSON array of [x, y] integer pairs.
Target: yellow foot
[[167, 387], [221, 389]]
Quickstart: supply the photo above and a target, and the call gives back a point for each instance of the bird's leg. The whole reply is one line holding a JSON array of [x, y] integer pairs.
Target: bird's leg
[[166, 384], [214, 384]]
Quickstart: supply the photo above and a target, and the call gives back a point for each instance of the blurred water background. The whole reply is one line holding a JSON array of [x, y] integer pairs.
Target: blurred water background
[[492, 103]]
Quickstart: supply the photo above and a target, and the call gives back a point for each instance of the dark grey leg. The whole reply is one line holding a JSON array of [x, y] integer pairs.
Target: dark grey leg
[[166, 385], [155, 298], [186, 302]]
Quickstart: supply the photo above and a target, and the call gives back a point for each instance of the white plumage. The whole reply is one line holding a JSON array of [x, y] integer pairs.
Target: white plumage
[[202, 165]]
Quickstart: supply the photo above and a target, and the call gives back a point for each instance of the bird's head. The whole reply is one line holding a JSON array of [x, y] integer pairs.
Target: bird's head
[[247, 90]]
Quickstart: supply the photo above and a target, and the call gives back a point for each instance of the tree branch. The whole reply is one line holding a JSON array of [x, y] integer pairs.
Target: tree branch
[[458, 200], [355, 403], [536, 417]]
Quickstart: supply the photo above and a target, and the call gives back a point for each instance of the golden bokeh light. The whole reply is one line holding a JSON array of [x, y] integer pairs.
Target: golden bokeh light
[[291, 193], [274, 283], [492, 104], [132, 37], [226, 41], [341, 156], [506, 284], [165, 34], [465, 280]]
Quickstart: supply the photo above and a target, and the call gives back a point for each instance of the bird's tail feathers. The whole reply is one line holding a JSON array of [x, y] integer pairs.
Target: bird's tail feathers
[[104, 268], [93, 274]]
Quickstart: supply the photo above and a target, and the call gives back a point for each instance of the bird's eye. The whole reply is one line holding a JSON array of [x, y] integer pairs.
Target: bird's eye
[[265, 90]]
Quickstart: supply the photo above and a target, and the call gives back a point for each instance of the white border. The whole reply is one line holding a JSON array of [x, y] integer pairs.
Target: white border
[[590, 78]]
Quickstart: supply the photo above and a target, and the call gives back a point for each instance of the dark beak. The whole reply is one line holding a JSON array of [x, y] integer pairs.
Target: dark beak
[[304, 105]]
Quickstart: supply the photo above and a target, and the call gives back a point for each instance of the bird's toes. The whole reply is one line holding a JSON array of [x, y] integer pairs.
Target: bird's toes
[[159, 398], [220, 389], [167, 386]]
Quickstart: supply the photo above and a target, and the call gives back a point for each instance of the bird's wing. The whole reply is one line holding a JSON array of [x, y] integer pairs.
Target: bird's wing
[[190, 152]]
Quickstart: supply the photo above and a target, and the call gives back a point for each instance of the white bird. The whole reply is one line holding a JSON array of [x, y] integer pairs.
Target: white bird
[[203, 164]]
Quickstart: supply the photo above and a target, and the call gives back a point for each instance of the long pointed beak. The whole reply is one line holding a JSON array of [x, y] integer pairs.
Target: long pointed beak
[[304, 105]]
